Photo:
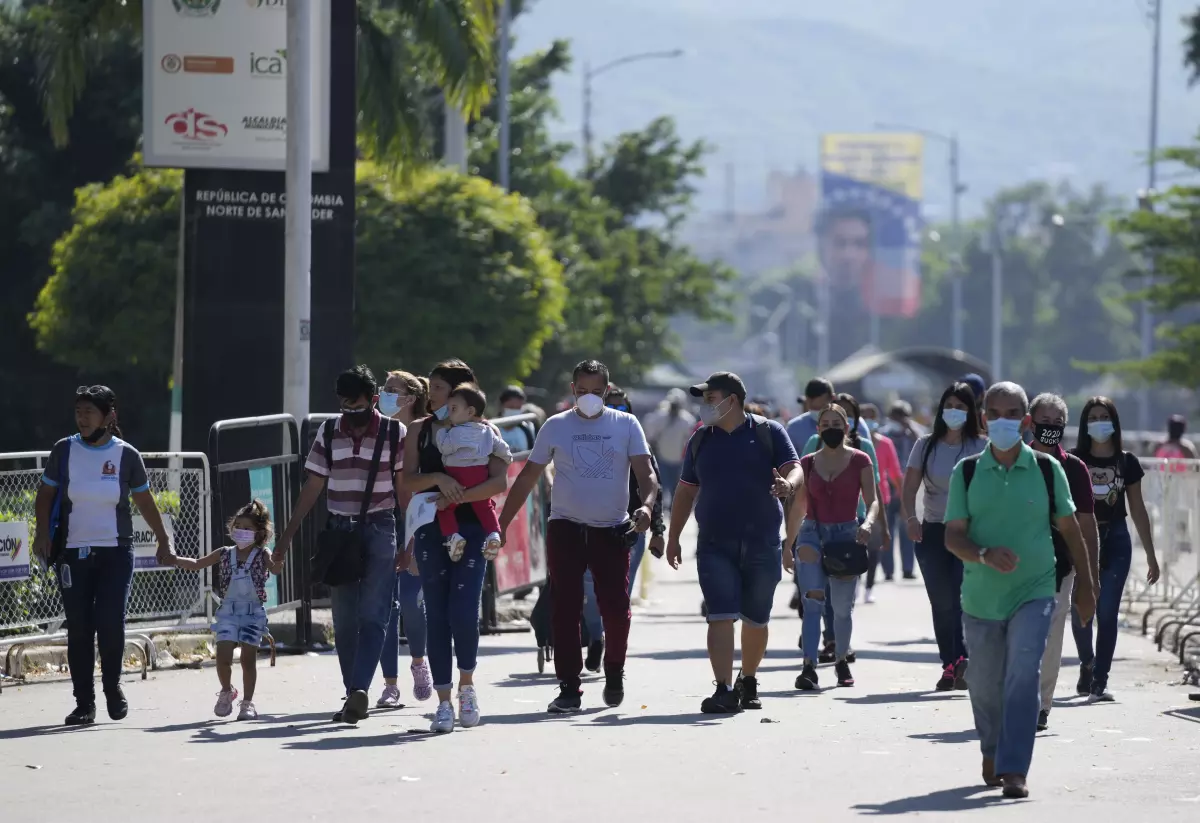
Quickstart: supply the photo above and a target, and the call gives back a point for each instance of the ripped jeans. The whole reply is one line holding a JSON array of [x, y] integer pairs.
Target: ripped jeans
[[811, 577]]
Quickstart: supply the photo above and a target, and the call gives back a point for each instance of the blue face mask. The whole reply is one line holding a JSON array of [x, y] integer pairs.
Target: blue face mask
[[872, 425], [1101, 430], [443, 412], [954, 418], [389, 403], [1004, 433]]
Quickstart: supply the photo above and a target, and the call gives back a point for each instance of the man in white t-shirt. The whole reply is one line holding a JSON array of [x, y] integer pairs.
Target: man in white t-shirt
[[593, 449]]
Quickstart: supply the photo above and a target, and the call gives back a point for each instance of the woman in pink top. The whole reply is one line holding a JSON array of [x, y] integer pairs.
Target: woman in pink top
[[834, 478]]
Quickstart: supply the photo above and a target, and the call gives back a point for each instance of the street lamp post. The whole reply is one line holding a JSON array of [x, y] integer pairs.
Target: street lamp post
[[504, 92], [590, 74], [1152, 181]]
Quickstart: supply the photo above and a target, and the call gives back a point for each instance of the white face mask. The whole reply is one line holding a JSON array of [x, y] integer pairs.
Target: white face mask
[[589, 405], [511, 412], [710, 413], [244, 538]]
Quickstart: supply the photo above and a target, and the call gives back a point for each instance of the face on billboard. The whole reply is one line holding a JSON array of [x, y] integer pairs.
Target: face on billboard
[[846, 248]]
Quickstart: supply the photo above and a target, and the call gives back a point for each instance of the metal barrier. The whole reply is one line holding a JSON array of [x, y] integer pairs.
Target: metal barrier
[[29, 596]]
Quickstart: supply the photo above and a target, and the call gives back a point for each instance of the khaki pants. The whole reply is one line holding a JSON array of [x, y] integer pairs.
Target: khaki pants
[[1052, 659]]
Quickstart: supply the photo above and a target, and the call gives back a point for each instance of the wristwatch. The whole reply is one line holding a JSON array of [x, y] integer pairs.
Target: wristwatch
[[982, 553]]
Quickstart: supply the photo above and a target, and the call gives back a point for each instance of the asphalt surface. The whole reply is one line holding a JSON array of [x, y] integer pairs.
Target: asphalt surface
[[890, 746]]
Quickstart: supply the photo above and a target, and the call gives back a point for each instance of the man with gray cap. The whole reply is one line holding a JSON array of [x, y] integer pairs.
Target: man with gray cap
[[736, 470], [667, 429]]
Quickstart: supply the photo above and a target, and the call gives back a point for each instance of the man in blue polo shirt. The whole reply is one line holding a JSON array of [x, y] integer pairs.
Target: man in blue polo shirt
[[736, 469]]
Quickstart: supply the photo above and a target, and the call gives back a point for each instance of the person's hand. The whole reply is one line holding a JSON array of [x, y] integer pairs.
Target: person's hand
[[789, 559], [656, 545], [913, 527], [674, 554], [886, 533], [442, 502], [164, 554], [1152, 573], [450, 488], [807, 554], [780, 487], [281, 548], [404, 559], [1085, 603], [863, 534], [41, 546], [641, 519], [1001, 559]]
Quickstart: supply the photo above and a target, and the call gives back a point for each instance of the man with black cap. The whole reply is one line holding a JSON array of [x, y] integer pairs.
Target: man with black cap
[[736, 470]]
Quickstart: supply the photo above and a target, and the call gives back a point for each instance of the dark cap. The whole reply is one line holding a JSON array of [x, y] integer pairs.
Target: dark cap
[[725, 381], [978, 387]]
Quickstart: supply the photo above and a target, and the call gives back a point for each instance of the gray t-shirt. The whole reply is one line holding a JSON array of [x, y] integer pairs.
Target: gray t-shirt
[[942, 460], [591, 465]]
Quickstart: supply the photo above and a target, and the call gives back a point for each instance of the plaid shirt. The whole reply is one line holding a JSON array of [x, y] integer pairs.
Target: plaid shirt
[[347, 481]]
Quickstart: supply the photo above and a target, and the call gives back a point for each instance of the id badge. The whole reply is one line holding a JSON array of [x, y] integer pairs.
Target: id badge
[[84, 551]]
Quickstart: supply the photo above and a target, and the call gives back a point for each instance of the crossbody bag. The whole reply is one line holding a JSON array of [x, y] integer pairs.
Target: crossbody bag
[[840, 558]]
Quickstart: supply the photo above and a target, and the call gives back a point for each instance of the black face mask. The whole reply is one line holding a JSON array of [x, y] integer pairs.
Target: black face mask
[[357, 417], [1048, 434], [97, 434], [833, 437]]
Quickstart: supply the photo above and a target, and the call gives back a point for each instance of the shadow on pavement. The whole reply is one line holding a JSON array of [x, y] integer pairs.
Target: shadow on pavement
[[924, 641], [965, 798], [56, 729], [900, 657], [312, 718], [697, 719], [355, 742], [905, 697], [1190, 714], [536, 717], [965, 736]]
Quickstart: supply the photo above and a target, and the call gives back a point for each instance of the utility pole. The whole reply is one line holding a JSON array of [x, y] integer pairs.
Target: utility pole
[[1151, 183], [956, 284], [997, 305], [587, 117], [504, 90], [297, 289]]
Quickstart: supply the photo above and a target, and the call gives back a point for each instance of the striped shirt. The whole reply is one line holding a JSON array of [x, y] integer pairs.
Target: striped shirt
[[347, 482]]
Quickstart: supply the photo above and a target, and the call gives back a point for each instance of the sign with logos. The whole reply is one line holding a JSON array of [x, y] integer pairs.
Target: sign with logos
[[145, 544], [262, 487], [16, 540], [215, 90]]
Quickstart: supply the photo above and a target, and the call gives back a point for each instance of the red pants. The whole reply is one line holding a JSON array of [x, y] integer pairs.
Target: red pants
[[485, 510], [571, 549]]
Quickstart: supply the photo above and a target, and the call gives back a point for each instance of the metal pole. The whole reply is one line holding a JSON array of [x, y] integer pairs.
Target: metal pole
[[587, 116], [175, 434], [455, 127], [997, 307], [1152, 181], [957, 282], [505, 149], [297, 292]]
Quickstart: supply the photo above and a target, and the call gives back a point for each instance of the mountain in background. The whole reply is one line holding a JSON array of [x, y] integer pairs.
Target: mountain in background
[[1035, 90]]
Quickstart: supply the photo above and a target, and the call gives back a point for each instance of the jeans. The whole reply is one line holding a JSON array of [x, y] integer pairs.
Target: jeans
[[668, 471], [571, 549], [1116, 553], [409, 605], [361, 610], [839, 593], [95, 609], [1052, 659], [452, 596], [739, 576], [897, 525], [1003, 680], [943, 575]]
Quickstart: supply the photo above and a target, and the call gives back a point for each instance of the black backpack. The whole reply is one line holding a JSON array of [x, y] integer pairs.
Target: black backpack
[[1062, 555], [762, 432]]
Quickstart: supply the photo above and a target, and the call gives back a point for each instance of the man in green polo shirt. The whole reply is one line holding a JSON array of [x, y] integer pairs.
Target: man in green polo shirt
[[999, 526]]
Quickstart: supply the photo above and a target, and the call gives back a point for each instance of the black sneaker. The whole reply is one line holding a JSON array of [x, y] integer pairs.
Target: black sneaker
[[829, 653], [910, 576], [794, 603], [724, 701], [594, 656], [337, 716], [1084, 686], [844, 678], [747, 692], [568, 701], [851, 657], [82, 716], [946, 681], [118, 706], [960, 674], [1043, 720], [807, 681], [355, 707], [614, 688]]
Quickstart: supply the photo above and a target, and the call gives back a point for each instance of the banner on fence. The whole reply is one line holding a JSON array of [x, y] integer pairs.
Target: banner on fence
[[522, 562], [262, 487], [145, 544], [15, 545]]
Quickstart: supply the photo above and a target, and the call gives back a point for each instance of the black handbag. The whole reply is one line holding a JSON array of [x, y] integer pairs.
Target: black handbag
[[341, 555], [842, 558]]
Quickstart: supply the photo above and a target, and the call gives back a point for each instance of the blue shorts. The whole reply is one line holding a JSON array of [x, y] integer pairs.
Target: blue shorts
[[240, 623], [739, 577]]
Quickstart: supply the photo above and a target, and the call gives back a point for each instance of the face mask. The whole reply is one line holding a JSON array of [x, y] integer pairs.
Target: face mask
[[955, 419], [389, 403], [710, 413], [442, 413], [589, 405], [1048, 434], [873, 425], [833, 437], [96, 435], [1101, 430], [511, 412], [1004, 433], [356, 417], [244, 538]]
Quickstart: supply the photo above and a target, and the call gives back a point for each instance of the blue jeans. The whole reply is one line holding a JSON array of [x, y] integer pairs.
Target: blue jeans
[[94, 604], [1004, 682], [361, 610], [738, 577], [943, 575], [839, 594], [410, 605], [669, 471], [897, 526], [1116, 553], [591, 608], [452, 595]]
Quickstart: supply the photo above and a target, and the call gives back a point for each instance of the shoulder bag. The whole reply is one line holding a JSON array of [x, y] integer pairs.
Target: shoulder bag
[[840, 558]]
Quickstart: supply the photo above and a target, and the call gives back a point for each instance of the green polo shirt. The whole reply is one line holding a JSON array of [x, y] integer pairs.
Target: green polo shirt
[[1009, 508]]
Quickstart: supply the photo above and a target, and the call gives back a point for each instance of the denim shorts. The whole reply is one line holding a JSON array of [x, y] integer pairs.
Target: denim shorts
[[739, 577], [811, 576], [239, 622]]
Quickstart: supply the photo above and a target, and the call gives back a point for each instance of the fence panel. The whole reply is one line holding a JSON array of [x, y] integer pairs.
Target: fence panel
[[1171, 490]]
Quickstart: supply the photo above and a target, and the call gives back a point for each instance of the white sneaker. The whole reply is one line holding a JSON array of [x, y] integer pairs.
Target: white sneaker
[[390, 699], [1103, 696], [468, 707], [869, 596], [247, 711], [443, 719], [225, 700], [491, 546], [456, 544]]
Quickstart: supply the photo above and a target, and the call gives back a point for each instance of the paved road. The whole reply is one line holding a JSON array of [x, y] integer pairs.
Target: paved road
[[888, 747]]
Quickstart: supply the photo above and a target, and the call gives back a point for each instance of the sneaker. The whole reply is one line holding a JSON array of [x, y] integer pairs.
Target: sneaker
[[869, 595], [118, 706], [747, 692], [910, 576], [829, 653], [614, 688], [844, 678], [724, 701], [491, 546], [1015, 787], [960, 674], [946, 681], [337, 716], [390, 699], [1043, 720], [794, 603], [456, 544], [1084, 686], [1099, 694], [443, 718], [851, 657], [225, 700], [246, 711], [807, 681], [595, 656], [82, 716], [422, 681], [567, 702], [468, 707], [355, 708]]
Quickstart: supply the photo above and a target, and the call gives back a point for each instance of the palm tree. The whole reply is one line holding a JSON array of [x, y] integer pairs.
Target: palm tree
[[405, 47]]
